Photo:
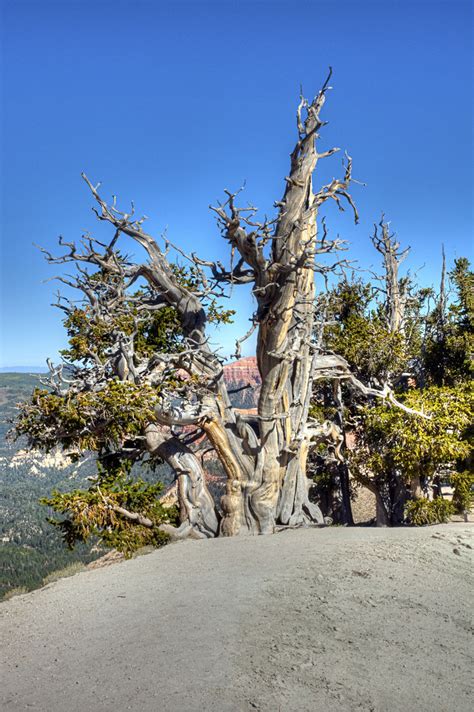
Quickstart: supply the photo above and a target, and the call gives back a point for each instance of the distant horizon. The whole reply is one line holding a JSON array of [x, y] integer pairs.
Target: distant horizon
[[44, 369], [23, 369]]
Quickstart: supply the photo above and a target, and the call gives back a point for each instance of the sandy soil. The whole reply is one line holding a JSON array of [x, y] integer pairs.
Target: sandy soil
[[336, 619]]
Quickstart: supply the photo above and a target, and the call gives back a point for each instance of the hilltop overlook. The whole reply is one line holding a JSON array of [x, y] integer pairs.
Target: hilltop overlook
[[338, 619]]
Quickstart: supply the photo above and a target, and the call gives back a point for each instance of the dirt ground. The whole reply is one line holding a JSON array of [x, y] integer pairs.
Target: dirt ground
[[346, 620]]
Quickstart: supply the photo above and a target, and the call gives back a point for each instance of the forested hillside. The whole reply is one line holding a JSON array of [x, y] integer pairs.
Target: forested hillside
[[30, 548]]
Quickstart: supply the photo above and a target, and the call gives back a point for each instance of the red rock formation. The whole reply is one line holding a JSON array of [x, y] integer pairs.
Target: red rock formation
[[243, 371]]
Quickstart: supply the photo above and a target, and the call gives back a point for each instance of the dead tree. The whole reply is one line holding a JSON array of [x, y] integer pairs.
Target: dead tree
[[395, 288], [263, 456]]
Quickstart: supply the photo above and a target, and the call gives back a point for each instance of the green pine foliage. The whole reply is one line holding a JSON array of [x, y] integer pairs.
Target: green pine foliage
[[95, 513], [87, 421], [449, 349], [391, 439], [421, 512], [357, 331], [463, 484], [429, 365]]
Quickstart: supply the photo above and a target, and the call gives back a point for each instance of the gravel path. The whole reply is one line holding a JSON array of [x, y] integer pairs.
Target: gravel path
[[342, 620]]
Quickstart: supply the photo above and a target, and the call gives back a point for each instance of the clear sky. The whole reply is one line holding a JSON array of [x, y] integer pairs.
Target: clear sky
[[168, 103]]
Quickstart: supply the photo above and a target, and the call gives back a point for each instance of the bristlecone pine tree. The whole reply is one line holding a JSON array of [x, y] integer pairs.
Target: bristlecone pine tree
[[140, 380]]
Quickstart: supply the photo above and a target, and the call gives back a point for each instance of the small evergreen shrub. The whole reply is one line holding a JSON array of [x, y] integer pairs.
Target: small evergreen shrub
[[463, 483], [420, 512]]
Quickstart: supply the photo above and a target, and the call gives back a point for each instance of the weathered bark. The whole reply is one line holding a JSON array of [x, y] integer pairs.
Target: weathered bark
[[415, 488], [398, 497], [285, 356], [342, 467], [196, 506], [395, 288], [442, 302], [344, 476], [232, 500], [382, 518]]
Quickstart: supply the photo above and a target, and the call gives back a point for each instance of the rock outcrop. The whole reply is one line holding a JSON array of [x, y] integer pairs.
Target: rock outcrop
[[244, 370]]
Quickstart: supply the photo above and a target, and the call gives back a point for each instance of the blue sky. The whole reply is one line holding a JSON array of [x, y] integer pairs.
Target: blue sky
[[168, 103]]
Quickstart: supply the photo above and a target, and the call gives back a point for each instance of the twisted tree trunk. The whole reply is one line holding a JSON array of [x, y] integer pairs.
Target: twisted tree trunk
[[264, 457], [181, 382], [196, 506], [277, 489]]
